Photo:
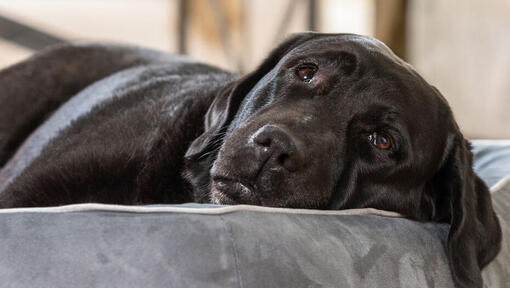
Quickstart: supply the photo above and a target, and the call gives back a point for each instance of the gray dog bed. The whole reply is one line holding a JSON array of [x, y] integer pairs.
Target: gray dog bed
[[193, 245]]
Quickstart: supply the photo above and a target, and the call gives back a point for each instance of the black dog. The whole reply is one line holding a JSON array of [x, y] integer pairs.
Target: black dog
[[327, 121]]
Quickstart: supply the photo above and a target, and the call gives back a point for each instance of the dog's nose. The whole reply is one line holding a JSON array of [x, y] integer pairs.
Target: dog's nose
[[279, 147]]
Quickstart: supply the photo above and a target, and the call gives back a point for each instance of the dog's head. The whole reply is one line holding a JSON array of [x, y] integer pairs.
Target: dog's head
[[338, 121]]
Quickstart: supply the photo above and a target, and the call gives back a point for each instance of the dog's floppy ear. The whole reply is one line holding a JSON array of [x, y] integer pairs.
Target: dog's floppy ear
[[200, 153], [464, 199]]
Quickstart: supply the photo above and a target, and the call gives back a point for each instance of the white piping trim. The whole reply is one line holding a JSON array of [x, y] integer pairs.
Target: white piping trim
[[500, 184], [215, 210], [489, 142], [191, 210]]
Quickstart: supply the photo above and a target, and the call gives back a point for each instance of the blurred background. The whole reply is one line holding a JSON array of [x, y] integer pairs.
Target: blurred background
[[460, 46]]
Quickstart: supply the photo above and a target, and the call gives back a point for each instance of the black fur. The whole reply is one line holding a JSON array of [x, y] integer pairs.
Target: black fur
[[268, 138]]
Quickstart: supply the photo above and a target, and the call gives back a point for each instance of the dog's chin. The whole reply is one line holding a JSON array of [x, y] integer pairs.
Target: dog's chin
[[218, 197], [231, 192]]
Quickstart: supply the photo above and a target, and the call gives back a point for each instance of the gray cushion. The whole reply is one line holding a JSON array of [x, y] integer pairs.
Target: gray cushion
[[497, 274], [234, 246], [492, 160]]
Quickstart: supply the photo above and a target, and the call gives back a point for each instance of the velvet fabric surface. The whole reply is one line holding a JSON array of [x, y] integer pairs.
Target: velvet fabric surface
[[183, 247]]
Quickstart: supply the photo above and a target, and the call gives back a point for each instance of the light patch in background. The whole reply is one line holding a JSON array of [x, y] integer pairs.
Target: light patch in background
[[149, 22], [11, 53], [347, 16], [263, 25], [153, 24], [466, 55]]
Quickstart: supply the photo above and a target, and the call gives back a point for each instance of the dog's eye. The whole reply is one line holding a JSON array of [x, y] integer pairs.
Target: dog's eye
[[380, 140], [306, 72]]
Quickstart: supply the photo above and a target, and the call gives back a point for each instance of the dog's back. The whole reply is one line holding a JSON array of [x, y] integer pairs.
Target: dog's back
[[95, 115]]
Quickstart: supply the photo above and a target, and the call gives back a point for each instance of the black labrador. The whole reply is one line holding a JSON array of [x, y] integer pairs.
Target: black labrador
[[327, 121]]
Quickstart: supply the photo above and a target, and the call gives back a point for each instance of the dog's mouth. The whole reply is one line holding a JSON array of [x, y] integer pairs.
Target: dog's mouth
[[233, 191]]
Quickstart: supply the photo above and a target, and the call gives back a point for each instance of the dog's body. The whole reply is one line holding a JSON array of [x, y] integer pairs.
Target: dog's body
[[155, 105], [327, 122]]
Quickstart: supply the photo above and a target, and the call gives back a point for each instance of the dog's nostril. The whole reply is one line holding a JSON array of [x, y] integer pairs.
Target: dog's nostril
[[265, 136], [291, 163], [282, 158], [263, 140], [278, 147]]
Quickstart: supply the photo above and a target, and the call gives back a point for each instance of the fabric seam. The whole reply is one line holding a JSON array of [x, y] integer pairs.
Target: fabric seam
[[234, 250]]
